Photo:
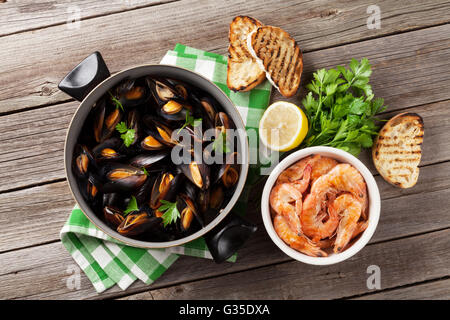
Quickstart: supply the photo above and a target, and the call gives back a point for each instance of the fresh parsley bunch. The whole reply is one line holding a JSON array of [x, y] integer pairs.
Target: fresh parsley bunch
[[341, 108]]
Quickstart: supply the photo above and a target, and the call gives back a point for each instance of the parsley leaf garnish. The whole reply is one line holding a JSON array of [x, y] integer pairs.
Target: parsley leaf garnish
[[116, 101], [220, 143], [132, 206], [127, 134], [171, 213], [145, 171], [190, 121], [341, 108]]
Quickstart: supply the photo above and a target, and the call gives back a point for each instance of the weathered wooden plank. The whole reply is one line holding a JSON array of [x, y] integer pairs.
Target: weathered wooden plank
[[23, 15], [435, 290], [33, 216], [421, 55], [32, 142], [294, 280], [40, 272]]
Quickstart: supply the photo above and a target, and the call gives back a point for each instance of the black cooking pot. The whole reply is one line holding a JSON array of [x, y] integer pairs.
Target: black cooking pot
[[88, 82]]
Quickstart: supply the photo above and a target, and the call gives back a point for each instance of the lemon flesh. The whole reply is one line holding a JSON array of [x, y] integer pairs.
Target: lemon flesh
[[283, 126]]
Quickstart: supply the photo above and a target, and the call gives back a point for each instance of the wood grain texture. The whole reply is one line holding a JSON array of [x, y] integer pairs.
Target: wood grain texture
[[33, 216], [435, 290], [36, 69], [32, 142], [53, 12], [39, 272], [294, 280]]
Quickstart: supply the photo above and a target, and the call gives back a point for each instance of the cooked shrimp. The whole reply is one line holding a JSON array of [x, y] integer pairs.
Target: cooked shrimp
[[295, 172], [318, 223], [319, 165], [361, 226], [296, 241], [302, 185], [349, 209], [342, 178], [286, 201]]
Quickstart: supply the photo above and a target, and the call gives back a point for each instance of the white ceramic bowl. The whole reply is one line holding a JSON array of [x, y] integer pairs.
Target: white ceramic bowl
[[374, 205]]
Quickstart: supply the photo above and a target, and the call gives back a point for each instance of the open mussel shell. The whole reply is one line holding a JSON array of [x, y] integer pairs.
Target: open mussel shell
[[228, 172], [110, 122], [158, 131], [91, 188], [83, 161], [108, 150], [163, 91], [113, 216], [188, 211], [174, 111], [122, 177], [164, 188], [138, 222], [132, 93], [197, 173]]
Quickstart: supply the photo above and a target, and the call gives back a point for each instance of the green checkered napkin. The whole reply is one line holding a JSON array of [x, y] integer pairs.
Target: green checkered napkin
[[107, 261]]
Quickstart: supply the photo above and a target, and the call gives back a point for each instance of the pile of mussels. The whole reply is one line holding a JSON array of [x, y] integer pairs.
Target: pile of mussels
[[110, 173]]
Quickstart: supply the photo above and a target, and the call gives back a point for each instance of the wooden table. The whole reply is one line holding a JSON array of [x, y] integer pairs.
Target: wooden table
[[410, 55]]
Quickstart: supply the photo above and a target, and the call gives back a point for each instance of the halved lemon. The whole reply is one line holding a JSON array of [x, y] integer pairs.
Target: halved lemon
[[283, 126]]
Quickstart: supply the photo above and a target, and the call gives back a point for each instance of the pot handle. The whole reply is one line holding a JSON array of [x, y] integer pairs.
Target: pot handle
[[85, 77], [226, 238]]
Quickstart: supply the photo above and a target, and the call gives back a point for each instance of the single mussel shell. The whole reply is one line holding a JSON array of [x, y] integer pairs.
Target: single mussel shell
[[228, 172], [159, 131], [188, 211], [122, 177], [146, 160], [203, 199], [182, 90], [110, 123], [198, 173], [99, 118], [113, 216], [151, 143], [133, 123], [174, 111], [189, 189], [138, 222], [108, 150], [131, 93], [90, 188], [163, 91], [209, 108], [223, 122], [83, 161], [142, 194], [164, 188], [216, 197]]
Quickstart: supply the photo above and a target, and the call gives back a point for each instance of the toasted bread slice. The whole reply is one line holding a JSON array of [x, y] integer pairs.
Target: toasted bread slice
[[397, 150], [280, 56], [243, 73]]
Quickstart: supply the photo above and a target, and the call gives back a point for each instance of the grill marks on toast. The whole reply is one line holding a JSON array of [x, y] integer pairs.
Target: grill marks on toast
[[280, 56], [243, 72], [397, 149]]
